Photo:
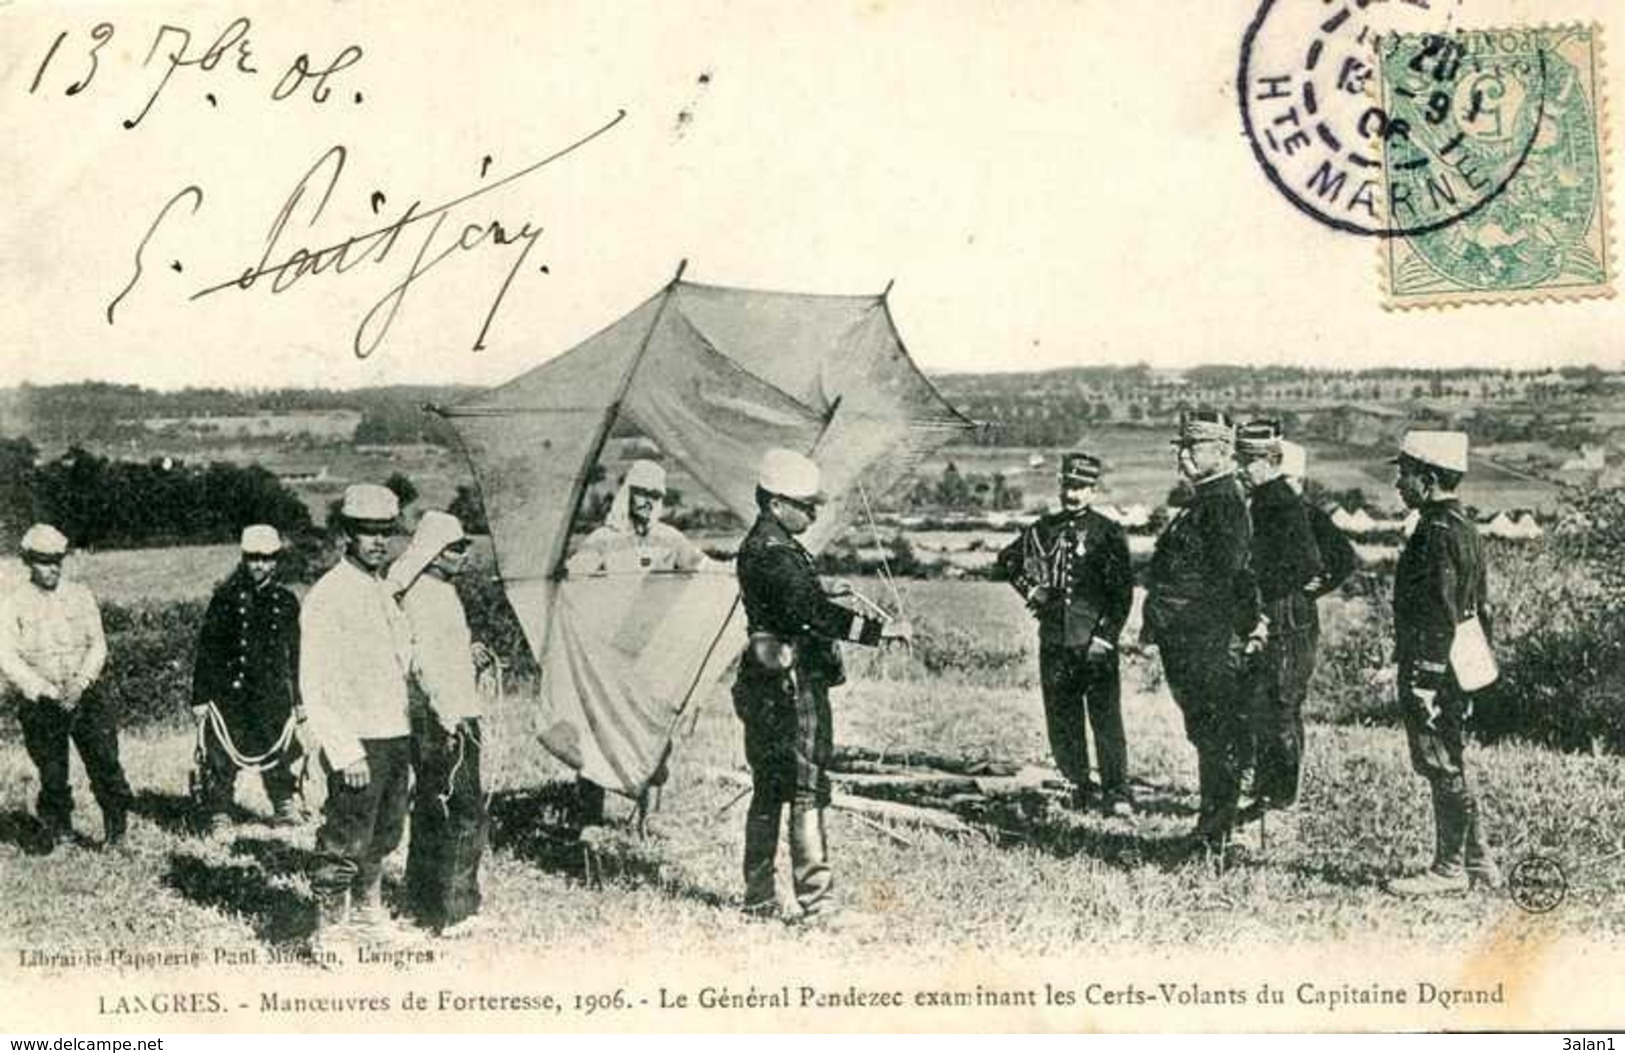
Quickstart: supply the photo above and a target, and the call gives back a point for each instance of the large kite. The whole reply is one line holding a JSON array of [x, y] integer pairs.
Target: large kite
[[714, 376]]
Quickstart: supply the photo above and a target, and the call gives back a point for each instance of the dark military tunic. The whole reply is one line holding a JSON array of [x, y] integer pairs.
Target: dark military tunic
[[1201, 601], [248, 668], [248, 660], [1440, 581], [782, 695], [1287, 559], [788, 734], [1082, 563]]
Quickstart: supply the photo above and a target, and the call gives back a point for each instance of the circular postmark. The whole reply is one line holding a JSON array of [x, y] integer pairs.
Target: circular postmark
[[1376, 119], [1537, 883]]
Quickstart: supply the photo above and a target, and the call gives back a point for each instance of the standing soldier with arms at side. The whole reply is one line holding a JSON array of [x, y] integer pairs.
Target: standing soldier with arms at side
[[1287, 565], [52, 651], [448, 800], [245, 685], [1202, 613], [1072, 567], [355, 654], [782, 691], [1439, 585]]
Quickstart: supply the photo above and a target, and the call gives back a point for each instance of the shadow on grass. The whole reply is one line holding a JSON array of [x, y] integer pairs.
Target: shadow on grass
[[174, 813], [1039, 818], [21, 829], [537, 826], [244, 890]]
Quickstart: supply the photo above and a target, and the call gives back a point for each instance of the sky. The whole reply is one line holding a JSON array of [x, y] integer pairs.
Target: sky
[[1046, 185]]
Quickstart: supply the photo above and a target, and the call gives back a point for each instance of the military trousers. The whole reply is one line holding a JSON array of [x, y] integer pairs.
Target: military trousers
[[789, 741], [449, 822], [47, 730], [1203, 671], [219, 774], [1437, 744], [1076, 687], [361, 826], [1277, 683]]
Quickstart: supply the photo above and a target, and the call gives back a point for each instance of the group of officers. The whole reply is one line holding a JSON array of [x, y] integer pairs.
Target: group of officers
[[380, 663], [1230, 607]]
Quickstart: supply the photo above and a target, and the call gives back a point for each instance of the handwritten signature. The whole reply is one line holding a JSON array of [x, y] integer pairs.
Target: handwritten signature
[[286, 267]]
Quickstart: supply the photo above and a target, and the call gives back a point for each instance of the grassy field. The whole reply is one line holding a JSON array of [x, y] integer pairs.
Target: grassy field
[[1040, 881]]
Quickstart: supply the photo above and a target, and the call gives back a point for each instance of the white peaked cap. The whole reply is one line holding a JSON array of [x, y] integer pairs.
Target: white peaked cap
[[43, 539], [1442, 449], [1294, 460], [646, 475], [366, 501], [261, 540], [789, 474]]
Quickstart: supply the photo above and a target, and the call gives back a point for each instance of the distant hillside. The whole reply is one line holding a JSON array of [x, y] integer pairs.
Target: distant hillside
[[98, 413]]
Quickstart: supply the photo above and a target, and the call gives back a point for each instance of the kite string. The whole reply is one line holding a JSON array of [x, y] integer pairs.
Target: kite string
[[885, 564]]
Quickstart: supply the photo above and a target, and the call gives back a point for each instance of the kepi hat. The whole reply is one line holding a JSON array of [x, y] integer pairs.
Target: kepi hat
[[1258, 438], [1080, 469], [260, 540], [786, 473], [44, 542], [370, 504], [1205, 425], [1440, 449]]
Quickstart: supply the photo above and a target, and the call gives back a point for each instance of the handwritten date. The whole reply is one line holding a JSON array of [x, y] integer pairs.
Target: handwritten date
[[231, 53]]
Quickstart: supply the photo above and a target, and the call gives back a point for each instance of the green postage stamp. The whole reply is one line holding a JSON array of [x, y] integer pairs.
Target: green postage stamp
[[1514, 120]]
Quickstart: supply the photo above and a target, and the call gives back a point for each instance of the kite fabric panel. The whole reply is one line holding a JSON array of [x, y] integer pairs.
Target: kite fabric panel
[[715, 377]]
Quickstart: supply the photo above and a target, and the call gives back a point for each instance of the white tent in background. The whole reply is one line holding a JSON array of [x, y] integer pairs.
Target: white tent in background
[[1135, 515], [1035, 461], [1526, 527], [1360, 522]]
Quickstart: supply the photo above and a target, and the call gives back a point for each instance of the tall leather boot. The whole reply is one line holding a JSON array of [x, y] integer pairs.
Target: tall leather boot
[[1481, 867], [761, 848], [115, 824], [809, 862], [1447, 876]]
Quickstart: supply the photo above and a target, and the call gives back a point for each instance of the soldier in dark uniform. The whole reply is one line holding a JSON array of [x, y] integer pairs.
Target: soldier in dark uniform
[[1439, 584], [1286, 560], [1337, 559], [1072, 567], [1202, 613], [782, 690], [245, 685]]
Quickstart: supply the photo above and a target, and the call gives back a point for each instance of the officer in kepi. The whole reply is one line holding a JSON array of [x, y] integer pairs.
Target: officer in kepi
[[1202, 612], [52, 651], [1286, 561], [1072, 567], [782, 690], [1439, 584], [245, 686]]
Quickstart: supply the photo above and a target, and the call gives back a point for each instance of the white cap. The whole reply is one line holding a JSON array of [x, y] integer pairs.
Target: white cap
[[1294, 460], [646, 475], [43, 539], [261, 540], [789, 474], [1442, 449], [370, 501]]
